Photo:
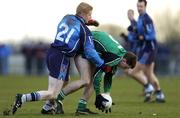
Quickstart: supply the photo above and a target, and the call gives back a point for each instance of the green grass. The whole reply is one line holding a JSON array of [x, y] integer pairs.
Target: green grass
[[125, 94]]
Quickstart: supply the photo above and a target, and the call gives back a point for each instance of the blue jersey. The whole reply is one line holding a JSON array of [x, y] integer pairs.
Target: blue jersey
[[148, 46], [73, 35], [145, 27]]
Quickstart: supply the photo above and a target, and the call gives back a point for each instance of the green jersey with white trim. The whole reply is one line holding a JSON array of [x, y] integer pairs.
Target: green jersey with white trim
[[109, 49], [112, 53]]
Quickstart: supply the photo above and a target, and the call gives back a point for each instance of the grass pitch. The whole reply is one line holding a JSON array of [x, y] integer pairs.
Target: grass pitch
[[126, 93]]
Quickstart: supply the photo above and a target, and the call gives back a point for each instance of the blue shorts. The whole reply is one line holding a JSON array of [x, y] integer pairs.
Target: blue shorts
[[58, 64], [148, 52]]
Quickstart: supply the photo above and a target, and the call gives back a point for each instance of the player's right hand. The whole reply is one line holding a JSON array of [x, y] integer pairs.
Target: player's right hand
[[92, 23]]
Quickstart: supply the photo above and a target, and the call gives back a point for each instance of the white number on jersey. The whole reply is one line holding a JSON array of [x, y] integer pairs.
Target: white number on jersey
[[64, 31]]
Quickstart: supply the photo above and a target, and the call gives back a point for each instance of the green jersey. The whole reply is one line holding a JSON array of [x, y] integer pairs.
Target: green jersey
[[112, 53], [108, 47]]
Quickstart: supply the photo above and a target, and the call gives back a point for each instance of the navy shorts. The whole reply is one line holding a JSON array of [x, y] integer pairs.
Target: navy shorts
[[148, 52], [58, 64]]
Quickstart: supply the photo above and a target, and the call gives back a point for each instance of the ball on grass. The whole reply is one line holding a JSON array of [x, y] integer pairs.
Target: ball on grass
[[109, 103]]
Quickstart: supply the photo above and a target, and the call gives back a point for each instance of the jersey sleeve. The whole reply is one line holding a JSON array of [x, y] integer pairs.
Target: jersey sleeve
[[132, 31], [108, 82], [149, 33], [89, 50], [97, 82]]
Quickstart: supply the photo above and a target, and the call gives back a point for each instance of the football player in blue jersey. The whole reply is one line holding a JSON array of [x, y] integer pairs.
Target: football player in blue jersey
[[72, 36], [132, 39], [85, 69], [132, 35], [147, 45]]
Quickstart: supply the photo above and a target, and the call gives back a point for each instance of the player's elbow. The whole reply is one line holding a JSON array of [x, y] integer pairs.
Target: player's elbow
[[88, 53]]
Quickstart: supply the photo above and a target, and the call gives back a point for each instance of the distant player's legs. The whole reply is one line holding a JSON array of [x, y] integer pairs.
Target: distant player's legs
[[149, 72], [138, 74], [147, 59]]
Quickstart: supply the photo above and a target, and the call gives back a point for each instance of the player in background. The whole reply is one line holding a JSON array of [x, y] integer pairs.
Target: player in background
[[135, 46], [147, 45], [72, 36], [132, 31], [114, 55]]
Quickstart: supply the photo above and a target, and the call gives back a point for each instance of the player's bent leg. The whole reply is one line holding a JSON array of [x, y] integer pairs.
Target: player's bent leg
[[82, 67], [51, 105], [85, 68], [82, 105], [55, 86]]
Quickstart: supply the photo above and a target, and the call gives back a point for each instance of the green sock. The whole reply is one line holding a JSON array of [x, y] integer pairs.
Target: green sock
[[61, 96], [82, 104]]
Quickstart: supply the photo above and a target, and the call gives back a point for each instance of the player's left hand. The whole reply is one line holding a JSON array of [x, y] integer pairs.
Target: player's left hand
[[99, 102]]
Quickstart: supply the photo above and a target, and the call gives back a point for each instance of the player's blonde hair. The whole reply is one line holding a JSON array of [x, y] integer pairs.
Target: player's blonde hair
[[131, 10], [83, 8]]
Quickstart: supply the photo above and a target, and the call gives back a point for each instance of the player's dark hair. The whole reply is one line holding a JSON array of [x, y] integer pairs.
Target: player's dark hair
[[145, 2], [131, 59]]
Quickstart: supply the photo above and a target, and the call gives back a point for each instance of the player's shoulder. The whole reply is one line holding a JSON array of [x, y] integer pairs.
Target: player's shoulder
[[71, 19], [99, 34], [147, 18]]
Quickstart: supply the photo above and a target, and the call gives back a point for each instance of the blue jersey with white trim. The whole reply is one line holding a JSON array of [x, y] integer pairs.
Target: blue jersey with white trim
[[145, 27], [67, 37], [73, 35]]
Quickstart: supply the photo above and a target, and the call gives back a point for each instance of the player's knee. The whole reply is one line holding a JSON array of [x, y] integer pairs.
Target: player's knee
[[129, 73], [85, 82]]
